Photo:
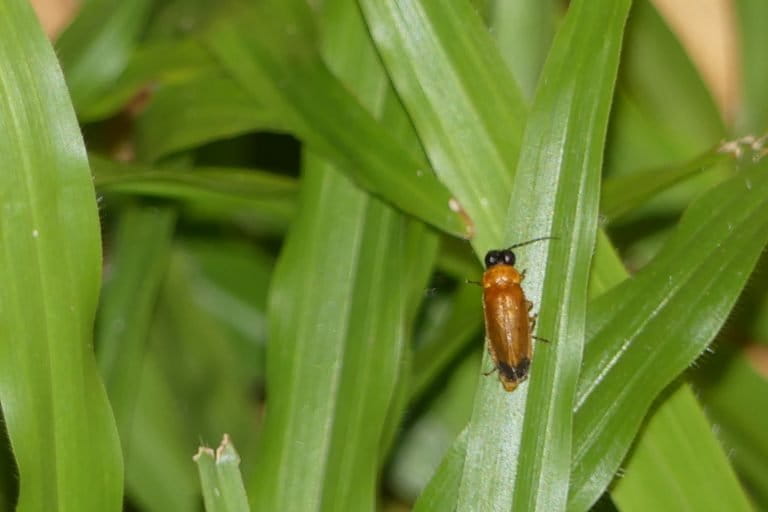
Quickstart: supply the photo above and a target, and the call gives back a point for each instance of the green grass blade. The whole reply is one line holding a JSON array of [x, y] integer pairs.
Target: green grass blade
[[223, 488], [96, 47], [204, 108], [709, 457], [141, 247], [463, 102], [679, 415], [637, 329], [752, 17], [556, 193], [276, 63], [224, 189], [334, 351], [340, 305], [55, 409], [691, 480]]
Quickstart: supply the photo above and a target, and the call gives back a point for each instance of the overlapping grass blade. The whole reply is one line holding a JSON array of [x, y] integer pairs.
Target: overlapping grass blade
[[275, 64], [55, 409], [655, 125], [556, 193], [629, 369], [223, 189], [463, 102], [646, 331], [331, 363], [206, 107], [341, 299], [141, 246]]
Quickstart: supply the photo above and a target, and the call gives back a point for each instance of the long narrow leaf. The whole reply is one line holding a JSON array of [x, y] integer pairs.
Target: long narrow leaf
[[340, 302], [220, 478], [197, 185], [465, 105], [204, 108], [276, 62], [55, 409], [647, 330], [142, 244], [556, 193]]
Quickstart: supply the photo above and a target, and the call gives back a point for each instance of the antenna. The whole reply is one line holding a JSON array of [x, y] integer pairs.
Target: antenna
[[531, 241]]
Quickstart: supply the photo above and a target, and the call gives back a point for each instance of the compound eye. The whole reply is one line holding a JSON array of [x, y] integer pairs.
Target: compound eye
[[492, 258], [508, 257]]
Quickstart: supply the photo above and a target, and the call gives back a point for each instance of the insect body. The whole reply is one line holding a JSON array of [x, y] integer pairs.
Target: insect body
[[508, 323]]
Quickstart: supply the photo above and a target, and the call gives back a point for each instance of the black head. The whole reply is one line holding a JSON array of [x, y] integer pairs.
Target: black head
[[502, 257]]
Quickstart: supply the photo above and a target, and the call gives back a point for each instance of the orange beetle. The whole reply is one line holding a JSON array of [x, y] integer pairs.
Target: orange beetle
[[508, 323]]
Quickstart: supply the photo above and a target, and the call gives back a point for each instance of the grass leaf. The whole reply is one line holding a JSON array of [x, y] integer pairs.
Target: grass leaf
[[276, 62], [341, 302], [207, 107], [55, 409], [223, 488], [461, 98], [646, 331], [555, 194]]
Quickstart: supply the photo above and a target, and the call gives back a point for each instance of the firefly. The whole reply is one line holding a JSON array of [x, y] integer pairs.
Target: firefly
[[508, 320]]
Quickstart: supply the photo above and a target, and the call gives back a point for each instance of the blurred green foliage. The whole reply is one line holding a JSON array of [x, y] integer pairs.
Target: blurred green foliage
[[292, 196]]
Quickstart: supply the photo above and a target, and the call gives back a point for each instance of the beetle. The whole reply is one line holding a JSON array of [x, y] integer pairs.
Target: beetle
[[508, 322]]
